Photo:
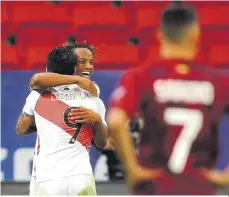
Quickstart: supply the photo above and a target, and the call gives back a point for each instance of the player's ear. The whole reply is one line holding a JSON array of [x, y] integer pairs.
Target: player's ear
[[75, 70], [159, 35], [195, 35]]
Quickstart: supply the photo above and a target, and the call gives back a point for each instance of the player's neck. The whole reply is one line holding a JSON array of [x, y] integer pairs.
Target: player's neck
[[177, 52]]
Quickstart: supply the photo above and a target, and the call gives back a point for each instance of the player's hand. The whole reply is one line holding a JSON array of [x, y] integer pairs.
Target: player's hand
[[88, 85], [142, 174], [110, 144], [216, 176], [84, 115]]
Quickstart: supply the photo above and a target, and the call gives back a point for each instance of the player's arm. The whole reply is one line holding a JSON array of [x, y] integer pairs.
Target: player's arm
[[118, 130], [218, 177], [26, 121], [124, 103], [100, 134], [221, 177], [25, 124], [84, 115], [45, 80], [110, 144]]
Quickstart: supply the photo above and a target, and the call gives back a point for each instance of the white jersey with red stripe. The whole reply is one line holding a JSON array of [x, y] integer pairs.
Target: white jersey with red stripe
[[60, 154]]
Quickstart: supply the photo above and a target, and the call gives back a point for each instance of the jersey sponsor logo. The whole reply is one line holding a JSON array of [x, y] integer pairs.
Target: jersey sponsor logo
[[184, 91], [182, 69]]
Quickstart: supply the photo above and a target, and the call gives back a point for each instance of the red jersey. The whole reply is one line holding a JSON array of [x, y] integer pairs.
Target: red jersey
[[181, 103]]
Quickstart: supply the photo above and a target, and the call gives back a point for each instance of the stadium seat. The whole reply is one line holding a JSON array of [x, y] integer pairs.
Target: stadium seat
[[148, 37], [147, 17], [41, 13], [83, 4], [5, 13], [36, 57], [150, 4], [217, 15], [9, 58], [104, 35], [215, 36], [5, 21], [116, 57], [100, 16], [219, 55], [199, 4], [41, 35], [40, 24]]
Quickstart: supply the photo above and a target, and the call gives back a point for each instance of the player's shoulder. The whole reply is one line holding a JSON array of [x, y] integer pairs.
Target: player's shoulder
[[221, 73], [133, 72], [34, 93], [219, 76], [32, 97]]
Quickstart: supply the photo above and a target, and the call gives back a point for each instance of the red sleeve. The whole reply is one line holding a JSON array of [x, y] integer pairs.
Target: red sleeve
[[127, 93]]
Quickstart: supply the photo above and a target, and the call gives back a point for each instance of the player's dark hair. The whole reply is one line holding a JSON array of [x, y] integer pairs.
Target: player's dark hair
[[83, 45], [176, 19], [62, 60]]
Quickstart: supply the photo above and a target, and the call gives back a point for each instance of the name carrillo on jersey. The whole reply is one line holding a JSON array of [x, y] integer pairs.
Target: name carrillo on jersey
[[187, 91]]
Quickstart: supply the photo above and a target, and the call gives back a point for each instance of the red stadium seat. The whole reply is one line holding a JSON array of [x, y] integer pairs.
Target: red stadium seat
[[9, 58], [41, 13], [5, 13], [5, 21], [100, 16], [150, 4], [41, 35], [214, 15], [83, 4], [36, 57], [199, 4], [216, 36], [147, 17], [116, 57], [219, 55], [99, 36], [40, 24]]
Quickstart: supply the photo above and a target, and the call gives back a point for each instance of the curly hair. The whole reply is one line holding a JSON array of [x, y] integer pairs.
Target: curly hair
[[62, 59], [81, 45]]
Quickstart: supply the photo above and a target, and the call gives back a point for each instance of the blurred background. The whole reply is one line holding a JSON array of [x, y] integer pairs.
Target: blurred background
[[125, 35]]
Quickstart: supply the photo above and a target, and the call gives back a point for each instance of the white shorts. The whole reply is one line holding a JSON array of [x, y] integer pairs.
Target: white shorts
[[33, 187], [68, 186]]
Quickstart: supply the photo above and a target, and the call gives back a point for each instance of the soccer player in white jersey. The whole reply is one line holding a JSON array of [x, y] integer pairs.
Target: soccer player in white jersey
[[65, 132], [41, 81]]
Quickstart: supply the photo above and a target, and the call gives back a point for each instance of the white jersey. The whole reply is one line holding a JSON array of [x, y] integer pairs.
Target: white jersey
[[61, 155], [36, 151], [37, 144]]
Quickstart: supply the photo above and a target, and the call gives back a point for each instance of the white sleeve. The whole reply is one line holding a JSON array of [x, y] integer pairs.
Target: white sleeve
[[101, 110], [31, 102]]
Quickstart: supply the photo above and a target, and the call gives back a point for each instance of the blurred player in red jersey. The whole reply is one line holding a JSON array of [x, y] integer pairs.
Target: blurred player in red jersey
[[181, 101]]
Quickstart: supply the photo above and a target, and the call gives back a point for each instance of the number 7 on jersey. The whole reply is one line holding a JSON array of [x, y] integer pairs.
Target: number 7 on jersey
[[192, 121]]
